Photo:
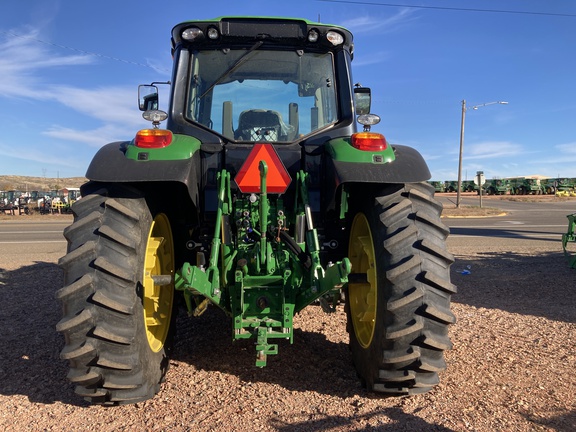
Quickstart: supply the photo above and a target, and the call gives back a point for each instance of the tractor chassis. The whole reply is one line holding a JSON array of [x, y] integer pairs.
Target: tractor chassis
[[257, 273]]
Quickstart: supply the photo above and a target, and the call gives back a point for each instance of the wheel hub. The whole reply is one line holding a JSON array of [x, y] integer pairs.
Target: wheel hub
[[158, 281], [362, 292]]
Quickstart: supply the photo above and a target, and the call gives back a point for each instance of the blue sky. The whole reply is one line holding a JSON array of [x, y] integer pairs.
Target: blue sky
[[69, 72]]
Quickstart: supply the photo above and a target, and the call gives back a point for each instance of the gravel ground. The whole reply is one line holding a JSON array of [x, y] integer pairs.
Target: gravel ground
[[511, 369]]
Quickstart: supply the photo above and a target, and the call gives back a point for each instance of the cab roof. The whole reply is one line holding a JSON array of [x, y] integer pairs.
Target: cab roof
[[279, 30]]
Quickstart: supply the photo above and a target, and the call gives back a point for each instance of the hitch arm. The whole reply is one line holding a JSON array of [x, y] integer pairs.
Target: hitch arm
[[195, 280]]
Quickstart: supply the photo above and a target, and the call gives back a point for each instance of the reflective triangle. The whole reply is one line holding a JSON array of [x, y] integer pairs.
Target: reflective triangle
[[277, 179]]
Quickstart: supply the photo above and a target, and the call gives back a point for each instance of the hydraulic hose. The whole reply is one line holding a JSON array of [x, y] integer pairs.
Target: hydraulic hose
[[296, 249]]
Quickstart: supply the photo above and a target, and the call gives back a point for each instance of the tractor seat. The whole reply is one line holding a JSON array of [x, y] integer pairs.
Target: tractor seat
[[261, 125]]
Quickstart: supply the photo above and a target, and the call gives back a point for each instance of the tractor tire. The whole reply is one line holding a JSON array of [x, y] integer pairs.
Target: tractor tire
[[118, 297], [398, 294]]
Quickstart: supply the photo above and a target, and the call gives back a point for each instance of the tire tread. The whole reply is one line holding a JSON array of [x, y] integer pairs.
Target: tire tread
[[105, 344], [416, 269]]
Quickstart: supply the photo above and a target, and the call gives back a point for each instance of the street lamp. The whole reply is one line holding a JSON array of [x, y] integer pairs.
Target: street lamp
[[464, 109]]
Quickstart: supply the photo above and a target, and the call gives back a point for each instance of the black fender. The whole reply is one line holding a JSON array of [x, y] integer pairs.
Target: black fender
[[408, 167], [110, 165]]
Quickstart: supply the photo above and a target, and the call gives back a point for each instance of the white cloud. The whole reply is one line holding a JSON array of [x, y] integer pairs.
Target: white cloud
[[510, 166], [380, 24], [109, 104], [443, 174], [164, 68], [23, 65], [372, 58], [491, 150], [506, 159], [563, 155], [94, 137], [568, 148], [22, 60], [45, 158]]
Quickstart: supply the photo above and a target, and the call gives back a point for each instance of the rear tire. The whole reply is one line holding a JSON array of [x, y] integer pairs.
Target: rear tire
[[116, 320], [398, 295]]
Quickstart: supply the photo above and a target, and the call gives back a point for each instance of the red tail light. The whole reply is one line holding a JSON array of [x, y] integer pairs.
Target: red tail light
[[369, 141], [153, 138]]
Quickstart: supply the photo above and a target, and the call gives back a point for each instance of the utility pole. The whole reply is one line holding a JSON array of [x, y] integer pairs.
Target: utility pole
[[459, 187], [464, 109]]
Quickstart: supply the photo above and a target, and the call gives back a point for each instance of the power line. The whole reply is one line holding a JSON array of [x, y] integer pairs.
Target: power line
[[89, 53], [449, 8]]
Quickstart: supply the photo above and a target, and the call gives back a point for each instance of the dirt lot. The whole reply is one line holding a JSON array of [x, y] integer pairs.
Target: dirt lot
[[511, 369]]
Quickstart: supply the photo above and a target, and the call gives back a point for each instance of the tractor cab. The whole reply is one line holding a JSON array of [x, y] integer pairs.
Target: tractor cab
[[245, 84]]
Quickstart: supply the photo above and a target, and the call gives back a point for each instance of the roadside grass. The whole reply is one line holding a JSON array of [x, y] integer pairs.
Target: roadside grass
[[451, 211]]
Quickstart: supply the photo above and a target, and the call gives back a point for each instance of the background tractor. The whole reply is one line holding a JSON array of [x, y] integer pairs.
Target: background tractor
[[561, 186], [497, 186], [259, 198], [525, 186]]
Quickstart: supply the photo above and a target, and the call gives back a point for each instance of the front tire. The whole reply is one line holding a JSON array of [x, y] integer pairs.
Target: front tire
[[118, 297], [398, 295]]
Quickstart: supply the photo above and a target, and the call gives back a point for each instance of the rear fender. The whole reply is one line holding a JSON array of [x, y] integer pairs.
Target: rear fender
[[396, 164], [111, 165]]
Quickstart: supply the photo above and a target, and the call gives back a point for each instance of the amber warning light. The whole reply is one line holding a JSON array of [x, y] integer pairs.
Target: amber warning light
[[153, 138], [248, 178]]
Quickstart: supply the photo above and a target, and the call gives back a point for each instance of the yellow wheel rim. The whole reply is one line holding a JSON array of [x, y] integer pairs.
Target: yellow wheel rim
[[158, 295], [362, 295]]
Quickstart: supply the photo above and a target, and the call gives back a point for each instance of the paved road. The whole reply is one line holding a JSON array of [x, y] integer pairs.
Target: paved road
[[536, 224], [22, 237], [539, 225]]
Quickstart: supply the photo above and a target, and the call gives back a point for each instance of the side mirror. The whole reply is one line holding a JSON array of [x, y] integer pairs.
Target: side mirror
[[147, 97], [362, 100]]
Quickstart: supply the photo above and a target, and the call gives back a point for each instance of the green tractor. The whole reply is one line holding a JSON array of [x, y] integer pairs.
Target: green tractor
[[497, 186], [439, 186], [260, 198], [561, 186], [525, 186]]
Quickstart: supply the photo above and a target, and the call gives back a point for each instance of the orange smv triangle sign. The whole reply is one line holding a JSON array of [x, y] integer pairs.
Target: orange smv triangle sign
[[248, 178]]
